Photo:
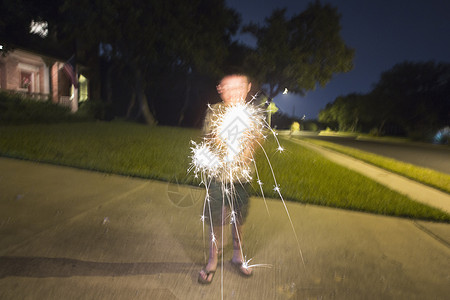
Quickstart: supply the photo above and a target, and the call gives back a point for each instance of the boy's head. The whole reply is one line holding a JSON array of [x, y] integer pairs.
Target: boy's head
[[233, 88]]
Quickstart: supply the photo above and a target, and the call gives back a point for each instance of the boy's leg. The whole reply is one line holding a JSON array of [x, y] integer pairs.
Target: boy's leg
[[241, 209], [214, 213], [215, 244], [238, 258]]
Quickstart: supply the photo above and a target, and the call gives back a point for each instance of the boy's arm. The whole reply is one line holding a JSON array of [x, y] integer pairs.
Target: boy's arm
[[206, 129]]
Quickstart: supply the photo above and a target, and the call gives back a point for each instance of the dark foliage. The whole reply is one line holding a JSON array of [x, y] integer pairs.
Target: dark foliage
[[411, 99], [16, 109]]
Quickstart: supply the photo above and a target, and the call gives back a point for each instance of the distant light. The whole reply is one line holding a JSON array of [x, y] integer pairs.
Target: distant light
[[442, 136], [40, 28], [285, 91], [1, 47]]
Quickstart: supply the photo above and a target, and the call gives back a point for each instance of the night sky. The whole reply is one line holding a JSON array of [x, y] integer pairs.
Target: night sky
[[383, 33]]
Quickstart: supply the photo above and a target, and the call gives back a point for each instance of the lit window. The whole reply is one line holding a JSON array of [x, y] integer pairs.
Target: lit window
[[25, 81]]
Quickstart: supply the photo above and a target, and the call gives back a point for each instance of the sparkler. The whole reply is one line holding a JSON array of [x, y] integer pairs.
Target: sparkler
[[226, 156]]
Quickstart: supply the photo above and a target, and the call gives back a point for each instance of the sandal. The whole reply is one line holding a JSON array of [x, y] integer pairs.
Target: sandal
[[207, 273], [240, 268]]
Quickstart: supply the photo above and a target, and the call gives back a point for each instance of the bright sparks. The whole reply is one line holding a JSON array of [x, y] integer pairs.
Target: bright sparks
[[204, 159], [226, 155], [39, 27], [226, 152]]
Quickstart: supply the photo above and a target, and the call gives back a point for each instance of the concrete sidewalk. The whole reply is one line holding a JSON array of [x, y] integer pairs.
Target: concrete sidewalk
[[72, 234], [413, 189]]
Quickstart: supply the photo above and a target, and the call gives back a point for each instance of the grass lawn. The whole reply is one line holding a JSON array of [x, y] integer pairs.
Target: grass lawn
[[424, 175], [163, 153]]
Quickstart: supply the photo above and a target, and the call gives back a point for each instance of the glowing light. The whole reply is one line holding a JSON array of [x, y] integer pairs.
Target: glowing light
[[39, 27], [204, 160], [276, 189], [232, 217], [285, 91], [245, 264], [442, 136], [224, 153]]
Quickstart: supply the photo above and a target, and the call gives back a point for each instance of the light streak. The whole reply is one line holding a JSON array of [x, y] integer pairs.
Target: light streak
[[225, 155], [246, 265], [277, 189]]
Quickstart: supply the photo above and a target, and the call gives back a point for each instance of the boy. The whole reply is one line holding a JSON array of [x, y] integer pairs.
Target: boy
[[232, 89]]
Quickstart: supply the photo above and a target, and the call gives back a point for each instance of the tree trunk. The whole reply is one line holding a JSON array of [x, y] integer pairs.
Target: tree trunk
[[131, 105], [108, 84], [186, 99], [148, 116], [381, 128], [142, 100], [355, 124]]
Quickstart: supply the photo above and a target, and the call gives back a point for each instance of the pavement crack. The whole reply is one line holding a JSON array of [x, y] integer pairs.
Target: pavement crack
[[432, 234]]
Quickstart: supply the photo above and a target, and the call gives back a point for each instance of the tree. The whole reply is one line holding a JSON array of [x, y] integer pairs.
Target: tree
[[146, 42], [414, 95], [411, 98], [150, 42], [328, 116], [346, 111], [300, 52]]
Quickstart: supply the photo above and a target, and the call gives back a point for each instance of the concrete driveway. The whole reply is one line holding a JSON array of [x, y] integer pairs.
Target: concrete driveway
[[73, 234]]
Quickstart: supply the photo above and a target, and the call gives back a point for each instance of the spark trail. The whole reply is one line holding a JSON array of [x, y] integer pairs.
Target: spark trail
[[225, 155]]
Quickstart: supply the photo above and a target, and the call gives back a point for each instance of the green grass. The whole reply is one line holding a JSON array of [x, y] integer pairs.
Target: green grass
[[163, 153], [117, 147], [427, 176]]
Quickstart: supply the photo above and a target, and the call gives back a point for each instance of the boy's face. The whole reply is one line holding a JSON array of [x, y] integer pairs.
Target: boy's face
[[234, 89]]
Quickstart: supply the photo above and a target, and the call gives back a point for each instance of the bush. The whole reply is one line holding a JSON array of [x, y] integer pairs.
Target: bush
[[310, 126], [374, 132], [16, 109], [95, 109]]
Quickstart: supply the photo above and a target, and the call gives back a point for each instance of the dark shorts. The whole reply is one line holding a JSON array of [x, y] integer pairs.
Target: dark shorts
[[218, 199]]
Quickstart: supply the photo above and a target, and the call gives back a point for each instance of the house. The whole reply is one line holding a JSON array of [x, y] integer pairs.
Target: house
[[42, 78]]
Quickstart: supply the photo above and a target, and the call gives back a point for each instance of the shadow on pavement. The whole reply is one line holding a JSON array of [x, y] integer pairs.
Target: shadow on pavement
[[41, 267]]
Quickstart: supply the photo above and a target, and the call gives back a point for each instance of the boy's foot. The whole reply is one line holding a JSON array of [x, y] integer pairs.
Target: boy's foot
[[205, 276], [242, 269]]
